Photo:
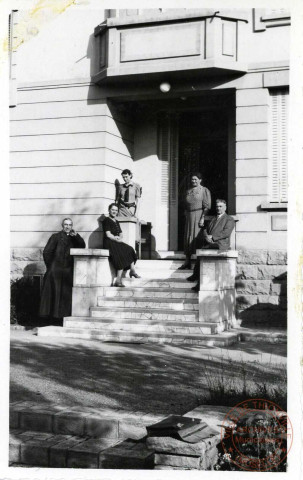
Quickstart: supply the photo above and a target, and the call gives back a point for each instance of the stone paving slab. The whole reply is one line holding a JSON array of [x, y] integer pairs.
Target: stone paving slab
[[213, 415]]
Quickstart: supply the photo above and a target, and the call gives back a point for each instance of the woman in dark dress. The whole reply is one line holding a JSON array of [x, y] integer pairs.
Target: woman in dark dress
[[121, 255]]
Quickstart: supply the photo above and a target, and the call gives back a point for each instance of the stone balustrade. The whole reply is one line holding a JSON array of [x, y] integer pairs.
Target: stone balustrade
[[129, 230], [92, 271], [217, 295]]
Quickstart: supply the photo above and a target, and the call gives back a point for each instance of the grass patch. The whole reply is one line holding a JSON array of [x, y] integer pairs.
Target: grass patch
[[231, 382]]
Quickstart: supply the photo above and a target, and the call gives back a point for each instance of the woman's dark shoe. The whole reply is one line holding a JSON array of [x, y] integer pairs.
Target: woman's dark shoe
[[134, 274], [119, 284], [185, 266], [192, 278], [196, 288]]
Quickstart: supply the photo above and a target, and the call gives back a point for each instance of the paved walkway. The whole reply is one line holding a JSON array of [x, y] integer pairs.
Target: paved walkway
[[154, 378]]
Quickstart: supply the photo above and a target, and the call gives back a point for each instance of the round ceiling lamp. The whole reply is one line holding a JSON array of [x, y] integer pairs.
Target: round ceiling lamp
[[165, 87]]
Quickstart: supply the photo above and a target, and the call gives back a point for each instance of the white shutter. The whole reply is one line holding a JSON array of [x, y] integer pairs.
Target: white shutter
[[168, 152], [173, 190], [164, 155], [279, 140]]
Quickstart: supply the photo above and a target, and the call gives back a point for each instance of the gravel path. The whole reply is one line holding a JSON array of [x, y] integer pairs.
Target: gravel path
[[153, 378]]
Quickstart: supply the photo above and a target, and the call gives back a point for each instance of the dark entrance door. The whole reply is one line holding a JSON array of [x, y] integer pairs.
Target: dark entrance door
[[203, 147]]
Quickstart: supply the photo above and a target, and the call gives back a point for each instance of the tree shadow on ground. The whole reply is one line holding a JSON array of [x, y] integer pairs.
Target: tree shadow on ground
[[150, 379]]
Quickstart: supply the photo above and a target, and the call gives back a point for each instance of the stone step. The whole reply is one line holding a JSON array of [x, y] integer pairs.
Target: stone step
[[223, 339], [161, 273], [37, 449], [263, 335], [133, 325], [173, 255], [175, 283], [145, 302], [149, 292], [152, 313], [171, 263], [105, 422]]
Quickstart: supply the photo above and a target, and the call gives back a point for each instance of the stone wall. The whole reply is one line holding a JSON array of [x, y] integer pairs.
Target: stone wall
[[26, 261], [261, 285]]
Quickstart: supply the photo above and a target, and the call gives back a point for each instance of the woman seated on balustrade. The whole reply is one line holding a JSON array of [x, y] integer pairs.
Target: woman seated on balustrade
[[122, 256]]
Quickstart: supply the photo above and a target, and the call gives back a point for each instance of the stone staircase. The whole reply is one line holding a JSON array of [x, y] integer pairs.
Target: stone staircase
[[159, 307]]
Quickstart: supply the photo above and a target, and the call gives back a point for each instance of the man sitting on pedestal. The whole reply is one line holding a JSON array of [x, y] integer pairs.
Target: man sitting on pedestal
[[216, 235]]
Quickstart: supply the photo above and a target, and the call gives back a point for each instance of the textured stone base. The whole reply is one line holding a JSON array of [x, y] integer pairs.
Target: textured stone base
[[261, 287]]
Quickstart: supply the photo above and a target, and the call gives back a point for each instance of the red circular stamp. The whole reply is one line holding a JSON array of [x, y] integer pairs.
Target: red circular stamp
[[256, 435]]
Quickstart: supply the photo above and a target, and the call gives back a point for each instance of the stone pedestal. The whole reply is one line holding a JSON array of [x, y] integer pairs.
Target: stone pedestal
[[217, 295], [92, 272], [129, 229]]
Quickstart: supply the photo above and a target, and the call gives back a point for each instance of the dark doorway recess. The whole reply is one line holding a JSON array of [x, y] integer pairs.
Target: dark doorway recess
[[203, 147]]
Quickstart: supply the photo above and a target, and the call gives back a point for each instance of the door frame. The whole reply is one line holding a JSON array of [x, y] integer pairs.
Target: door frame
[[170, 145]]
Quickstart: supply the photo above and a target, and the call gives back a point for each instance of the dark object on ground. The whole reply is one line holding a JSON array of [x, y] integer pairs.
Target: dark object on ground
[[189, 429]]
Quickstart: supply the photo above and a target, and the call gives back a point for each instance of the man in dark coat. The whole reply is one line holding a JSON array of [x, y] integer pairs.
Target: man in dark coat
[[56, 296], [216, 235]]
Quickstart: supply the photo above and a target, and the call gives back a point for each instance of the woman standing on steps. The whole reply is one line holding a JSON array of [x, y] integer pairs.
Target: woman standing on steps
[[121, 255], [197, 204]]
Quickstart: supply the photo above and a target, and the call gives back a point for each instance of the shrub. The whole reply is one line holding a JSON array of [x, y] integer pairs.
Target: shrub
[[25, 299], [257, 442], [232, 382]]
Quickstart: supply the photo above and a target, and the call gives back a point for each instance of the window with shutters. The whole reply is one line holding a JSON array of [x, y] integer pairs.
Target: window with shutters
[[279, 145]]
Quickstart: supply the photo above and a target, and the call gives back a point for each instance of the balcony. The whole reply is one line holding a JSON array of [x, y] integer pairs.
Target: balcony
[[139, 47]]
